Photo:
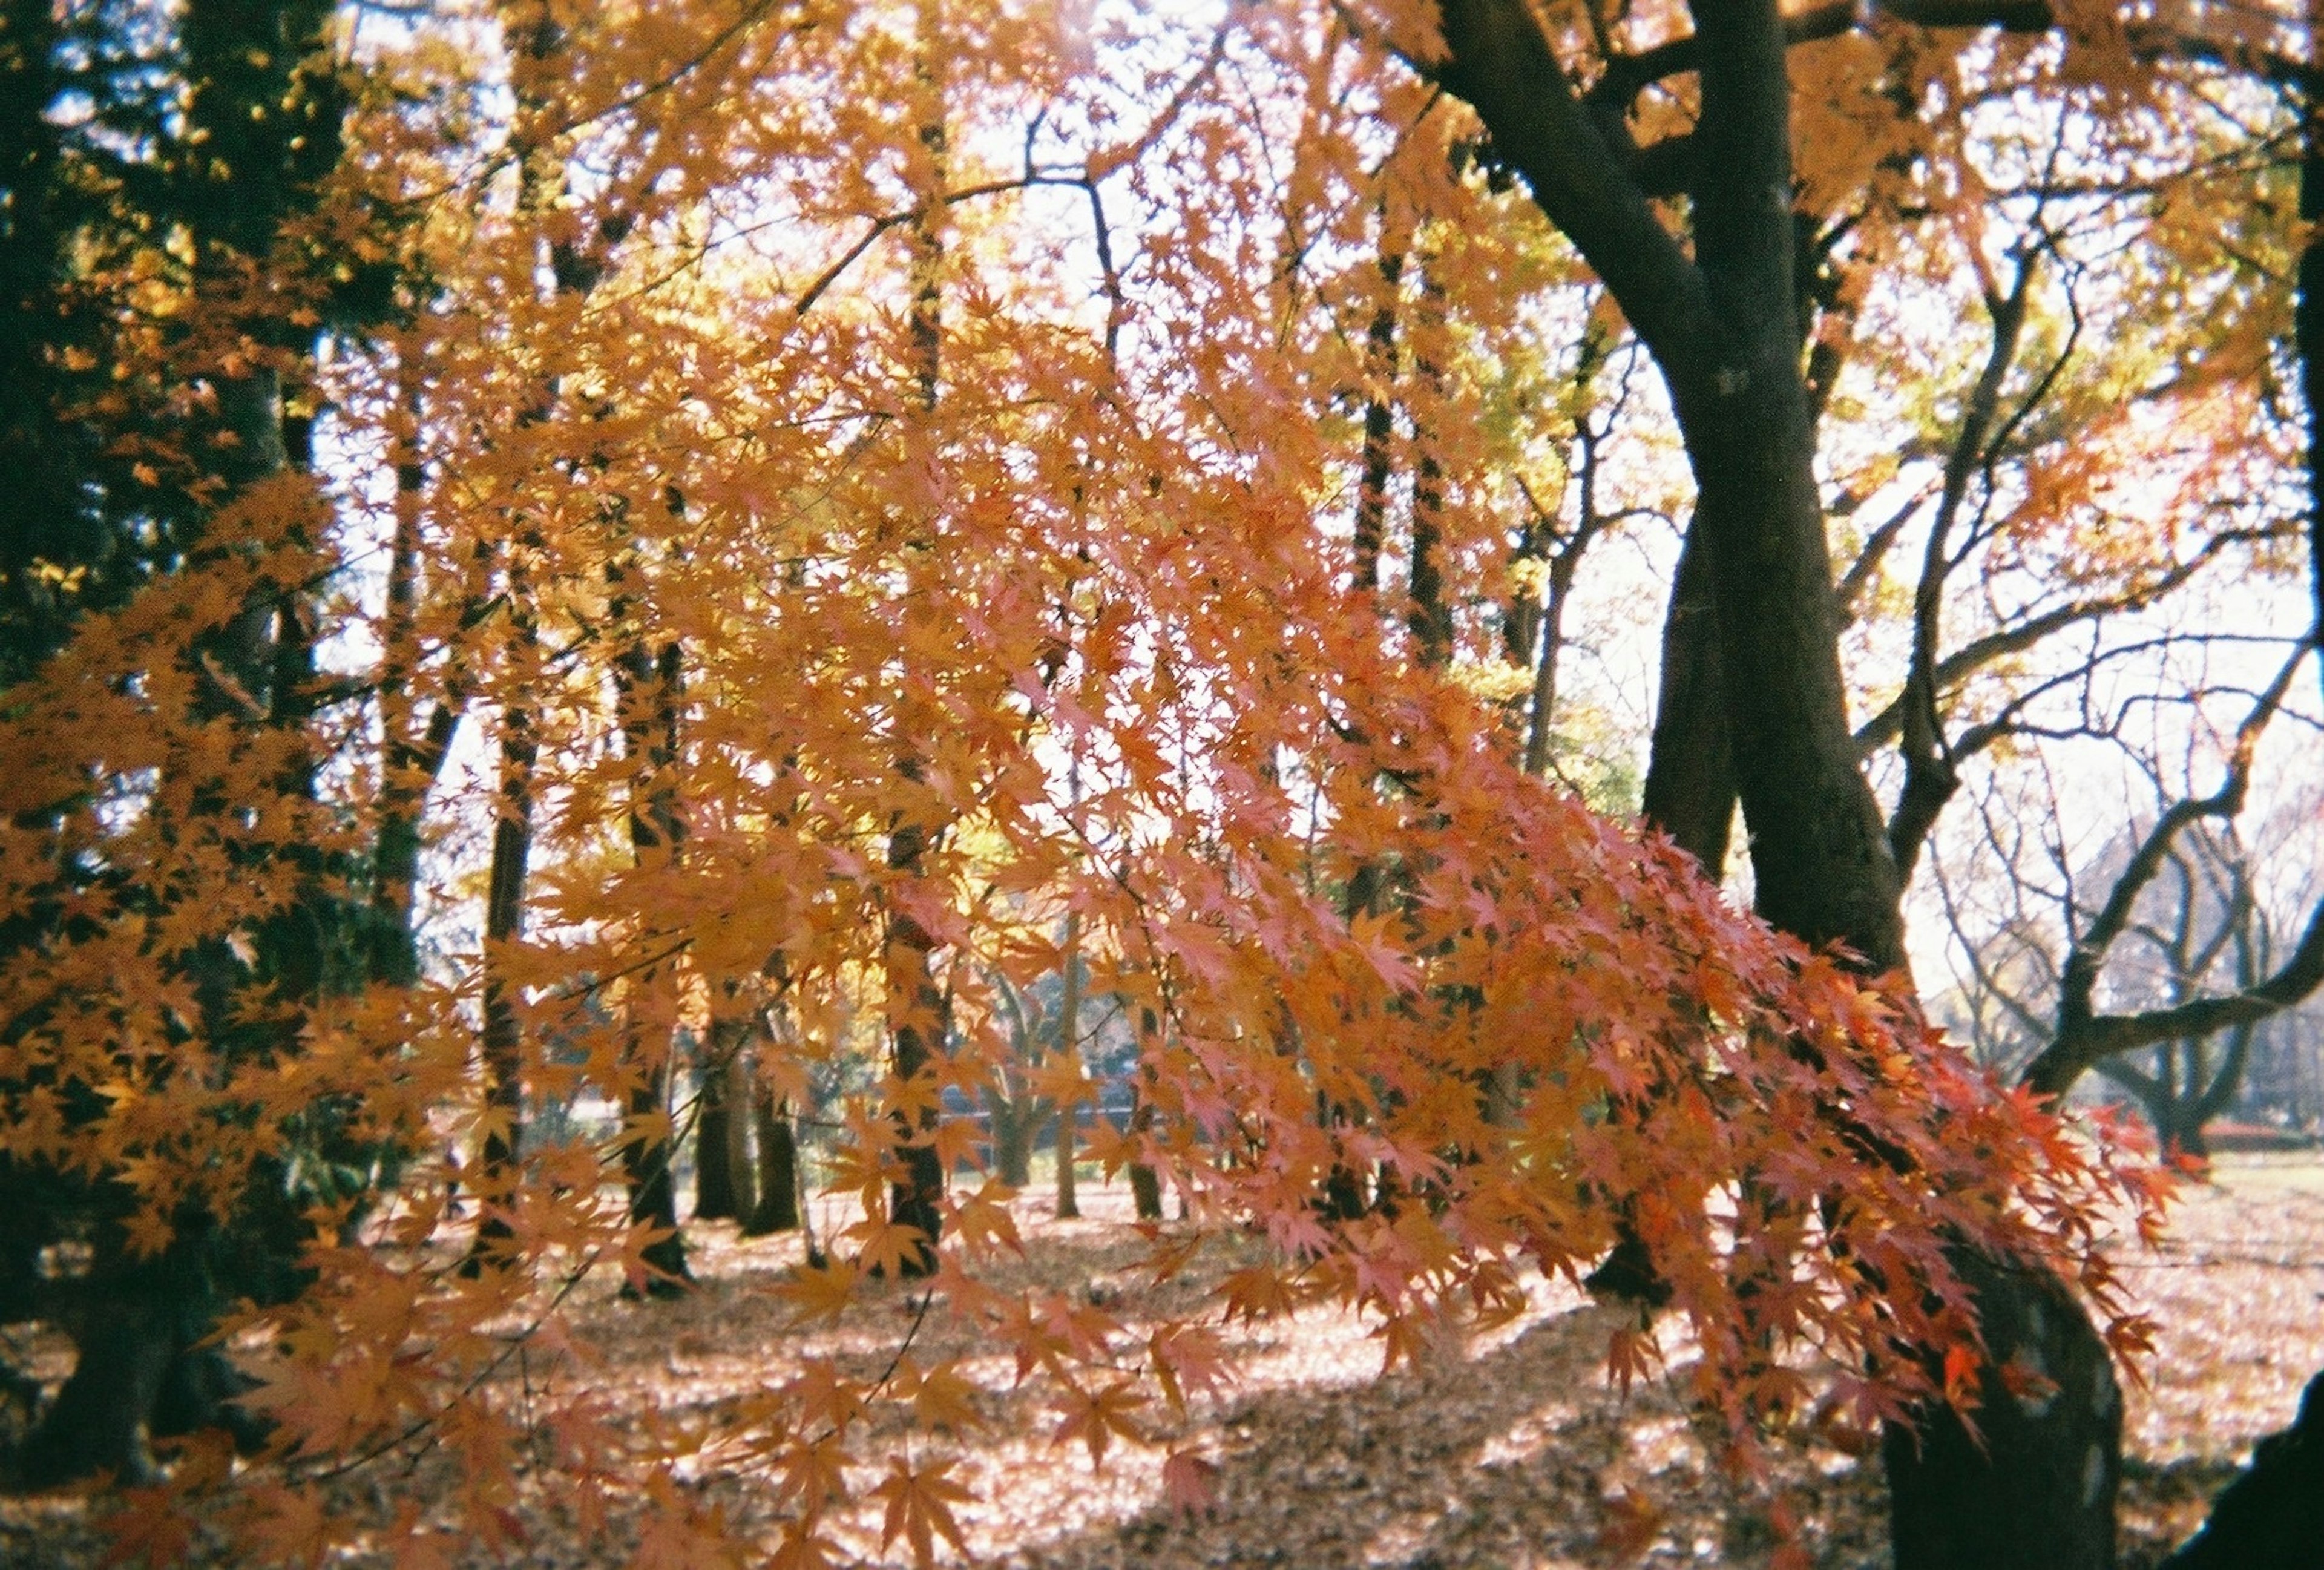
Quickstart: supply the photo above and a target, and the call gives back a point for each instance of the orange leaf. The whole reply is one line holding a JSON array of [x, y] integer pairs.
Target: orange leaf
[[919, 1507], [1190, 1482]]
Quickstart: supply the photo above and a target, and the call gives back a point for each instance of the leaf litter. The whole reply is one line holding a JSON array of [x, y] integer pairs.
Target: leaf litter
[[1507, 1449]]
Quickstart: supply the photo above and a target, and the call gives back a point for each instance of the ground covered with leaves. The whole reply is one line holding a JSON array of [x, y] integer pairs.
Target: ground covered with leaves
[[1509, 1449]]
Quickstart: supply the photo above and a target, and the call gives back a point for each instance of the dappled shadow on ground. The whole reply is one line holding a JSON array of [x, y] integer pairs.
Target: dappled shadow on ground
[[1512, 1451], [1520, 1456]]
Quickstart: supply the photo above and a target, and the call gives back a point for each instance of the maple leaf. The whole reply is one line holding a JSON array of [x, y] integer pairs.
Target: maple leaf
[[812, 1474], [1631, 1354], [886, 1247], [287, 1524], [148, 1528], [940, 1396], [919, 1507], [803, 1547], [1188, 1360], [673, 1537], [983, 1221], [420, 1549], [1190, 1482], [1963, 1365], [957, 1142], [1096, 1417]]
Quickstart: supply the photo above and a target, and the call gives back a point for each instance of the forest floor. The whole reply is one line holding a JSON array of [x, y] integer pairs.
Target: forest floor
[[1510, 1453]]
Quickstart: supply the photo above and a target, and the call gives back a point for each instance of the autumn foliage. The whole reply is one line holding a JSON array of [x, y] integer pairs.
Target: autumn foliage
[[866, 485]]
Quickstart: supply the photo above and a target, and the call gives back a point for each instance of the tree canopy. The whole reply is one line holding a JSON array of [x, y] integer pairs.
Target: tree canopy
[[565, 546]]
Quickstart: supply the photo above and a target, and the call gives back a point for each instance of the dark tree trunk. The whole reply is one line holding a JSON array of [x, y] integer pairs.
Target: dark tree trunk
[[1145, 1182], [652, 1185], [143, 1371], [1069, 1201], [777, 1209], [916, 1199], [1145, 1191], [1690, 789], [715, 1195], [1069, 1044], [100, 1421], [2050, 1457], [650, 689], [916, 1003]]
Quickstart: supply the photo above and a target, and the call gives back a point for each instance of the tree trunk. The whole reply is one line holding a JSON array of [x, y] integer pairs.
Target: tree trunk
[[1690, 789], [741, 1170], [99, 1421], [646, 1172], [650, 689], [777, 1209], [143, 1370], [916, 1005], [2051, 1458], [1720, 315], [1069, 1201], [1144, 1183], [1069, 1042], [714, 1198], [1015, 1121]]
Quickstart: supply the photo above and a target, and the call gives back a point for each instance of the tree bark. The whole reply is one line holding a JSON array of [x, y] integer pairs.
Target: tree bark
[[1069, 1046], [2049, 1459], [777, 1209], [1690, 789], [1014, 1122], [650, 691], [721, 1181]]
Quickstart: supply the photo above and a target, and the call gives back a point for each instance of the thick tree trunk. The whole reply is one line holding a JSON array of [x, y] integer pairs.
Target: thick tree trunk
[[142, 1372], [2034, 1489], [1721, 317], [1690, 789], [98, 1423]]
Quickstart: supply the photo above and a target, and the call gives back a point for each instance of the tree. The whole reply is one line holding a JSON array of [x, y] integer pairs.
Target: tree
[[871, 507], [2204, 924], [1724, 324], [180, 229]]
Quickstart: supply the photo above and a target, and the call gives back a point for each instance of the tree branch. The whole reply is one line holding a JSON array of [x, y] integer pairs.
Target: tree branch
[[2083, 1037], [1628, 76], [2109, 1034], [1499, 61]]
